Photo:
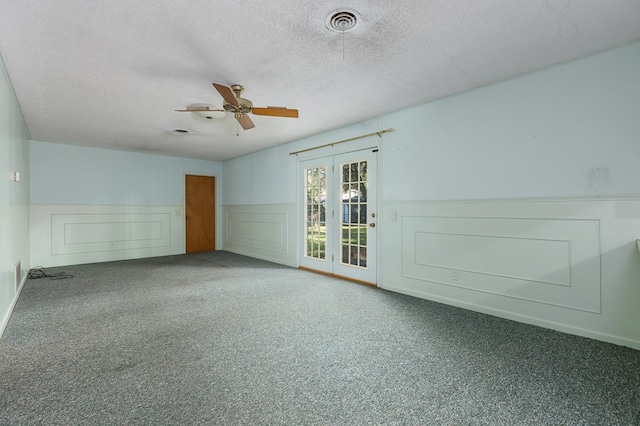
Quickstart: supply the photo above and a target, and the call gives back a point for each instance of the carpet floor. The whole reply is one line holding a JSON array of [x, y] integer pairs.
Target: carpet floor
[[218, 338]]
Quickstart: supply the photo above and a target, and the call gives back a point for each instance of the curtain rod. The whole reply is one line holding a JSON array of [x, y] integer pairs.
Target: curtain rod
[[379, 133]]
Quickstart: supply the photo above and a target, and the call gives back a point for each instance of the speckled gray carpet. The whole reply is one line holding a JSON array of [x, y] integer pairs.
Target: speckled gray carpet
[[218, 338]]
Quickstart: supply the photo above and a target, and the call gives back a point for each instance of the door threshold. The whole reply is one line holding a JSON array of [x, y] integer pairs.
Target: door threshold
[[342, 277]]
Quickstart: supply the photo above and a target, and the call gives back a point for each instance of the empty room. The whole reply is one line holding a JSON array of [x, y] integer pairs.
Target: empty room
[[360, 212]]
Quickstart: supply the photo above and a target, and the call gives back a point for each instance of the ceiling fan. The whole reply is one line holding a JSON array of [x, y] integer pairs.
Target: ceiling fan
[[240, 107]]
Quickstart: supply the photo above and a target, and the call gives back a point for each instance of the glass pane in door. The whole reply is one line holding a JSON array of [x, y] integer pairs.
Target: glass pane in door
[[354, 184], [315, 238]]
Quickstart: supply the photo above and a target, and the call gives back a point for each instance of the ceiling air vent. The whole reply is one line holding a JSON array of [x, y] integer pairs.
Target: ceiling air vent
[[343, 21]]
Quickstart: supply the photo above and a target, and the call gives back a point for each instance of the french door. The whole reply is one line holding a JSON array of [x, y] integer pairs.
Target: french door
[[339, 215]]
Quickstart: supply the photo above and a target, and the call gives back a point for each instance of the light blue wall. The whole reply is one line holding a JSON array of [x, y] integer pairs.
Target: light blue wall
[[269, 176], [540, 135], [67, 174], [265, 177], [14, 196]]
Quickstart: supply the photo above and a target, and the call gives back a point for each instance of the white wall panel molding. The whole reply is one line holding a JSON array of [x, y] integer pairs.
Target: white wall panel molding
[[74, 234], [265, 231], [91, 232], [570, 264], [549, 261]]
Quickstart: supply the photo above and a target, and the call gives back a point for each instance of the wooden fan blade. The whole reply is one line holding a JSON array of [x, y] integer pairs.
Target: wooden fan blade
[[246, 122], [276, 112], [227, 94]]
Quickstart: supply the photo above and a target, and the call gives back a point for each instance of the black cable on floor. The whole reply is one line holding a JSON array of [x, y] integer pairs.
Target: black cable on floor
[[39, 272]]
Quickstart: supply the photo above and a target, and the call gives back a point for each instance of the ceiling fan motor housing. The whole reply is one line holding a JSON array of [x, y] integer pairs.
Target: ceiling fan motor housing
[[245, 106]]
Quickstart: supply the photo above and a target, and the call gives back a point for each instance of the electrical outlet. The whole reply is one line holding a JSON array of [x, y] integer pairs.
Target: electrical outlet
[[454, 275]]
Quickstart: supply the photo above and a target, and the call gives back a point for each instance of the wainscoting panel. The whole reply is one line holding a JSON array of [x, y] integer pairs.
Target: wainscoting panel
[[546, 261], [568, 264], [262, 231], [83, 233], [66, 235]]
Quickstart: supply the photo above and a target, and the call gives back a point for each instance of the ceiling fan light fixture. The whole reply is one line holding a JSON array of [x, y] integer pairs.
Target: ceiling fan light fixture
[[343, 21], [210, 115], [204, 111]]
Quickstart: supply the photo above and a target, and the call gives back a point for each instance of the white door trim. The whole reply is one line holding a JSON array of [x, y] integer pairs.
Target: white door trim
[[331, 263]]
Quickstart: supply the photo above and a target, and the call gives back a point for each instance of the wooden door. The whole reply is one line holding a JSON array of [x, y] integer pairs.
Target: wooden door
[[200, 213]]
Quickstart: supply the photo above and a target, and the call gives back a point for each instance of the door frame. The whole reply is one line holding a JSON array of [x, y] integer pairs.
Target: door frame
[[216, 207], [332, 151]]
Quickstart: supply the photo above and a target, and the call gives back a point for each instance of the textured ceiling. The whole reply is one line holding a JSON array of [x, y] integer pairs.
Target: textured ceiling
[[111, 73]]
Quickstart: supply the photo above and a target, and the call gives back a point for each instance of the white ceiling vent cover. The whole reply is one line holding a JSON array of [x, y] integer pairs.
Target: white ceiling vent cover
[[343, 21]]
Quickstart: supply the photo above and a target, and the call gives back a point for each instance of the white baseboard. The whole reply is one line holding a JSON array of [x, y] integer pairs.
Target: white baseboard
[[7, 317], [261, 257], [616, 340], [566, 264]]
